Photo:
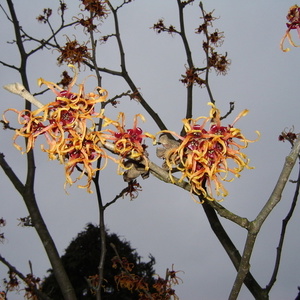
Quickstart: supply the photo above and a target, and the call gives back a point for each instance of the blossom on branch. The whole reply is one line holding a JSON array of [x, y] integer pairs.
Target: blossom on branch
[[205, 156], [68, 126], [160, 289], [73, 53], [96, 7], [293, 17], [128, 143], [2, 295]]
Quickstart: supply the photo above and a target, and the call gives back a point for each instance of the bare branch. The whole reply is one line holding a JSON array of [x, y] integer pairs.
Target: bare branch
[[285, 222], [13, 269], [206, 50], [231, 250], [231, 108], [19, 89], [256, 224], [11, 175], [125, 74], [9, 65], [223, 212], [189, 88]]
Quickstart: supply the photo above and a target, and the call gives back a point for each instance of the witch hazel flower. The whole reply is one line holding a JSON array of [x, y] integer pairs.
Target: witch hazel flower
[[207, 157], [128, 143], [293, 18], [68, 125]]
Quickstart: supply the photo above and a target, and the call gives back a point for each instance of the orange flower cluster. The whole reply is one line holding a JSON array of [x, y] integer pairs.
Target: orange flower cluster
[[64, 124], [289, 136], [215, 39], [2, 295], [128, 143], [33, 284], [73, 53], [96, 7], [12, 284], [219, 62], [204, 156], [162, 289], [87, 23], [160, 27], [131, 282], [126, 279], [47, 12], [93, 282], [192, 77], [68, 126], [293, 17]]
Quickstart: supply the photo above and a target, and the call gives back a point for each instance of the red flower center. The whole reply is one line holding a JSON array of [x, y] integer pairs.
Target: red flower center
[[135, 134], [68, 95], [67, 117]]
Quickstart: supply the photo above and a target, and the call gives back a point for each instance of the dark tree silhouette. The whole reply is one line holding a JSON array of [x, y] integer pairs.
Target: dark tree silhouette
[[81, 261]]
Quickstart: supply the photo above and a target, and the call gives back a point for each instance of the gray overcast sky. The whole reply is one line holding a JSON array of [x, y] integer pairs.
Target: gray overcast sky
[[164, 220]]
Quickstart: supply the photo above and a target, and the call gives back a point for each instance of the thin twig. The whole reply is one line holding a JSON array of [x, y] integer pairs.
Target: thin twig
[[117, 197], [189, 99], [13, 269], [206, 49], [125, 75], [231, 108]]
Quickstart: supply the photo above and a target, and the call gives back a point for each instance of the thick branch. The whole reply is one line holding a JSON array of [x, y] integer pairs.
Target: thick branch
[[102, 239], [244, 266], [48, 243], [17, 29], [285, 222], [19, 186], [27, 192], [19, 89], [282, 180], [225, 213], [231, 250], [29, 199], [255, 225]]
